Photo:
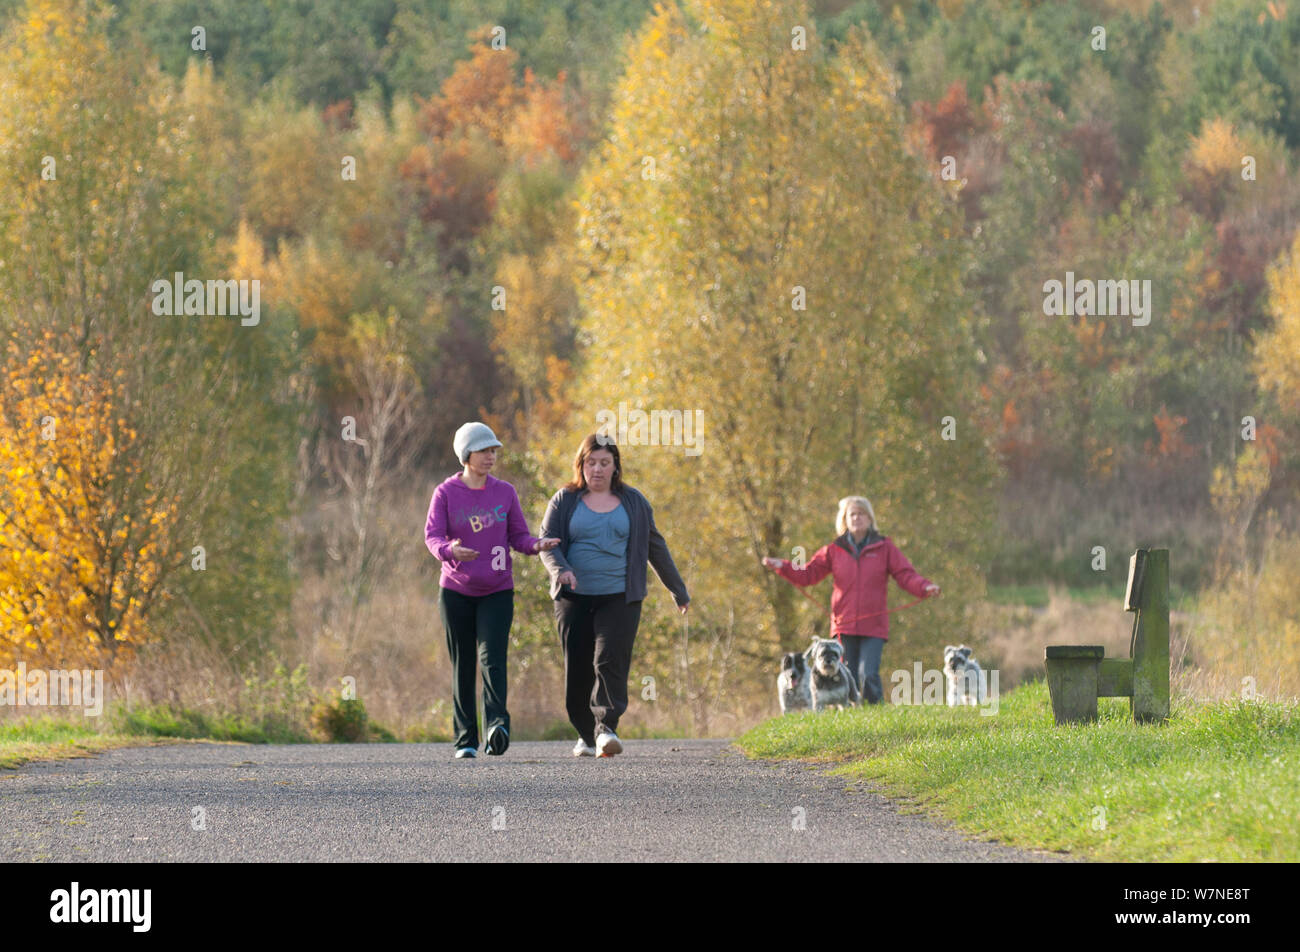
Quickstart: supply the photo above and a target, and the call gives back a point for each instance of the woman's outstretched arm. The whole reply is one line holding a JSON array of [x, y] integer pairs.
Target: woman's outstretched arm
[[816, 569], [907, 577]]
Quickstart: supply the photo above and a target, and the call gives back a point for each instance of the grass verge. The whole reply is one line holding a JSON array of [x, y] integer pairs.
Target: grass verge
[[47, 738], [1218, 782]]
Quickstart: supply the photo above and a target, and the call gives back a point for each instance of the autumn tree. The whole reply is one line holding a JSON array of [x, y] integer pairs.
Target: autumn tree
[[535, 321], [84, 531], [110, 192], [454, 170], [1276, 357], [757, 244], [365, 460]]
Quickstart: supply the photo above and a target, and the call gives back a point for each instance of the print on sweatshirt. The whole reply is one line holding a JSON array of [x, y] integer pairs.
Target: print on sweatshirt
[[489, 521], [476, 518]]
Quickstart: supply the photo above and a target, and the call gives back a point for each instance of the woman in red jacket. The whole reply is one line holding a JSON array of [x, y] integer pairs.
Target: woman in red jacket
[[860, 560]]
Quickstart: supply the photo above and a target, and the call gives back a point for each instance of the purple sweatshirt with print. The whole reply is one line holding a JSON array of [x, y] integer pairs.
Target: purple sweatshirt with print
[[488, 520]]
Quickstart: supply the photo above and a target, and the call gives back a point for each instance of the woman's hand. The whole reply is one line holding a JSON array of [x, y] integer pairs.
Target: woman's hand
[[567, 578], [682, 608], [772, 563], [462, 553], [932, 589], [547, 544]]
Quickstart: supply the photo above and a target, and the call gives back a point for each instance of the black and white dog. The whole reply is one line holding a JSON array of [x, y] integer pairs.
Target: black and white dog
[[831, 683], [965, 677], [793, 683]]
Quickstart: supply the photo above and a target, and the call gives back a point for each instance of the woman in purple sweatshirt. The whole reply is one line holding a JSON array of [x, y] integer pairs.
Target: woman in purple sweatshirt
[[474, 521]]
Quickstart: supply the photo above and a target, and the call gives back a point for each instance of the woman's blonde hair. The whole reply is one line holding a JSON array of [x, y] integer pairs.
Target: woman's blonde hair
[[842, 517]]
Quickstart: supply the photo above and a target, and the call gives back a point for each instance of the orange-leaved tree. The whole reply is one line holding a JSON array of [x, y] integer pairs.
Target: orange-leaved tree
[[83, 532]]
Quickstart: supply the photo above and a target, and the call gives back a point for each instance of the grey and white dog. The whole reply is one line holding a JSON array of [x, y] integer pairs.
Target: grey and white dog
[[793, 683], [965, 680], [831, 683]]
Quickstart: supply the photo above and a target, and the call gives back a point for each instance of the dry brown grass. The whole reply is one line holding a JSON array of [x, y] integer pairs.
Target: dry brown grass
[[1245, 636], [1011, 638]]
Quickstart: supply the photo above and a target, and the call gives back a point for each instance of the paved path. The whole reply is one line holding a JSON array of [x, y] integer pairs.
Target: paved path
[[663, 800]]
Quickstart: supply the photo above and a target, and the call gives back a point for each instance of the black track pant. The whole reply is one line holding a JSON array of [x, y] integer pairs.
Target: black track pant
[[477, 622], [597, 632]]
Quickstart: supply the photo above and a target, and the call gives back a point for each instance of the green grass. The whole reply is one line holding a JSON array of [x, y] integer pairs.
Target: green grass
[[47, 738], [1036, 595], [161, 720], [1218, 782], [1032, 596]]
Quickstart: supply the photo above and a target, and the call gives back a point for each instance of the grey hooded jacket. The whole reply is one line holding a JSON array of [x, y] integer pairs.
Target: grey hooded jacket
[[644, 543]]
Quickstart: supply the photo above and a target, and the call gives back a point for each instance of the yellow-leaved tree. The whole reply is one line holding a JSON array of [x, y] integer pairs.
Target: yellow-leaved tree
[[83, 531], [758, 250], [115, 181], [1247, 639], [1277, 351]]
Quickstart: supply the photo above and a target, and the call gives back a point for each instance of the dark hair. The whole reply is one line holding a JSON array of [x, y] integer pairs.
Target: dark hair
[[596, 441]]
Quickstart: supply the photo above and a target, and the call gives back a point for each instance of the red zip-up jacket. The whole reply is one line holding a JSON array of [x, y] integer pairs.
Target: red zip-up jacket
[[860, 582]]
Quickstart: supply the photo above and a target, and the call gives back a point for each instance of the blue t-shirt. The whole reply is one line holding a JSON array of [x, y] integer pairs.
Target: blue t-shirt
[[598, 550]]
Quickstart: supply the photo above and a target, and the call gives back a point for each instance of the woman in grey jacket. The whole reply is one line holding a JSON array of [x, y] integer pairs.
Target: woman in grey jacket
[[598, 579]]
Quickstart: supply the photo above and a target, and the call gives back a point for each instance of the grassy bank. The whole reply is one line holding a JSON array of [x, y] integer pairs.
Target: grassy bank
[[1219, 782]]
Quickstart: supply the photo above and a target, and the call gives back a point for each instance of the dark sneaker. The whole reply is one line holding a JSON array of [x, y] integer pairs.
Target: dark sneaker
[[498, 740]]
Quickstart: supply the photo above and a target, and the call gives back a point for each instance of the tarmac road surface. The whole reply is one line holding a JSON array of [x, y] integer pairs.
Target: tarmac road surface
[[661, 800]]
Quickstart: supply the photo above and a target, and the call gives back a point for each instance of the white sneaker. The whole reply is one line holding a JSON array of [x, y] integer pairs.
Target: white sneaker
[[608, 744], [582, 749], [463, 753]]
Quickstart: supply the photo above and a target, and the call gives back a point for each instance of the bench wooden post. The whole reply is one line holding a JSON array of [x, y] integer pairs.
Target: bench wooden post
[[1150, 647]]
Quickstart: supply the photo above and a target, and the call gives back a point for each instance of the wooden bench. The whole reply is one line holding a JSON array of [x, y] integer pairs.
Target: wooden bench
[[1079, 674]]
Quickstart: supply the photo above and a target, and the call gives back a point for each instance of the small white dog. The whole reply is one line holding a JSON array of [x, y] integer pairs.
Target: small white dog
[[831, 683], [965, 677]]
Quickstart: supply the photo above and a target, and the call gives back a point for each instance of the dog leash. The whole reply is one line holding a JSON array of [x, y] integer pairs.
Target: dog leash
[[835, 623]]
